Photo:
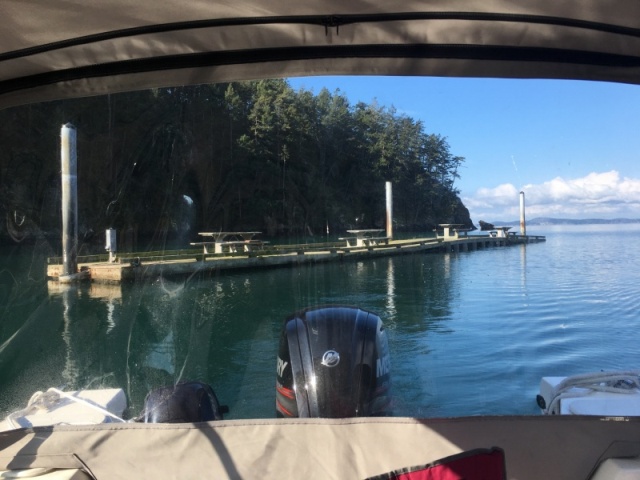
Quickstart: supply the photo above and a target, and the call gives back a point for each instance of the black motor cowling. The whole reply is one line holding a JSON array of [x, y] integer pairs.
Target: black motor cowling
[[185, 402], [333, 362]]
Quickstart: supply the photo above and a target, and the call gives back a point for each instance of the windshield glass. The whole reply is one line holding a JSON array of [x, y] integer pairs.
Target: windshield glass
[[208, 215]]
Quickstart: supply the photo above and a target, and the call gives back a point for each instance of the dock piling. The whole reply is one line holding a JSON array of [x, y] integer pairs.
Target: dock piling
[[110, 244], [69, 173], [389, 198], [523, 225]]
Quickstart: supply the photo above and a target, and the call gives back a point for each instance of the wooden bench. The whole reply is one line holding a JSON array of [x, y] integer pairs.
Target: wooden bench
[[351, 241], [302, 248], [205, 245], [462, 232], [372, 241], [232, 246], [236, 246]]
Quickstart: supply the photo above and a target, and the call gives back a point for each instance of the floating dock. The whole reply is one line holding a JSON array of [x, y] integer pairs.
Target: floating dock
[[132, 266]]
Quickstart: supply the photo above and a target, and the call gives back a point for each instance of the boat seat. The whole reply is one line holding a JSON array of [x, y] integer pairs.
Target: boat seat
[[620, 406], [477, 464], [618, 469]]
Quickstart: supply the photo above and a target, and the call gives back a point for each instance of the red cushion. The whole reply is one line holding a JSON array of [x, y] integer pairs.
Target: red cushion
[[479, 464]]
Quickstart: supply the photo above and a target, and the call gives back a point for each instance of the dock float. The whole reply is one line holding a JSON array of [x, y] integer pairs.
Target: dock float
[[136, 266]]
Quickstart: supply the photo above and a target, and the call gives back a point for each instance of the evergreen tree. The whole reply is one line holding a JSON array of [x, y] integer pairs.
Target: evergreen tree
[[166, 163]]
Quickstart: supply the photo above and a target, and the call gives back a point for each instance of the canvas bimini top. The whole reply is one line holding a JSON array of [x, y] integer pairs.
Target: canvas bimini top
[[52, 50]]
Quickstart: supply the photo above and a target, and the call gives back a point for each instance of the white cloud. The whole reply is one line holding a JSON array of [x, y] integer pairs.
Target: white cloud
[[597, 195]]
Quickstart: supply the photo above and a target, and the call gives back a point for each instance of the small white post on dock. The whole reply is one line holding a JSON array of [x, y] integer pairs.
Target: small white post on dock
[[69, 172], [110, 244], [389, 210], [523, 225]]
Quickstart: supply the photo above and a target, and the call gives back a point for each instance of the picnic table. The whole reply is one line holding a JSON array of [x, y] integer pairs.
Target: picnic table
[[229, 241], [366, 237], [450, 230], [500, 232]]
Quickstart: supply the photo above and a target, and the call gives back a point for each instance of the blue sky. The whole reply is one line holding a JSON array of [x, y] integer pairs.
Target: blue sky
[[572, 147]]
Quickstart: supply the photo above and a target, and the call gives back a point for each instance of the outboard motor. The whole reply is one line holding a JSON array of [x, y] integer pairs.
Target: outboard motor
[[333, 362], [186, 402]]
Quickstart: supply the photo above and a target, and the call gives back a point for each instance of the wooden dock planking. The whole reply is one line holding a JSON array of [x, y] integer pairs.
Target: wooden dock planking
[[135, 267]]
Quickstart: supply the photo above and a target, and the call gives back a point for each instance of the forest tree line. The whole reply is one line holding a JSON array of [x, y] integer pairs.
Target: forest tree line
[[162, 165]]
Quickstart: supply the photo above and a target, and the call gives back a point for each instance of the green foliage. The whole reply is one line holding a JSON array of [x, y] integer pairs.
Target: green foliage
[[164, 164]]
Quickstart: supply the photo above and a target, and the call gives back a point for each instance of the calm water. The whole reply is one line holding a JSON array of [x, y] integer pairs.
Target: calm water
[[470, 333]]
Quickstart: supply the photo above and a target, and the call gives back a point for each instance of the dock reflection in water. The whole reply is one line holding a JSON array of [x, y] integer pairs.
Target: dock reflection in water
[[221, 328]]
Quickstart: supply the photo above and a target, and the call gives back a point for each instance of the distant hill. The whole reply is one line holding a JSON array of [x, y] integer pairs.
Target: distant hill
[[570, 221]]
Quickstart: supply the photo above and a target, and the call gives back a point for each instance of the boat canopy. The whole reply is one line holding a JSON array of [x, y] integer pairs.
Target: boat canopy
[[52, 50]]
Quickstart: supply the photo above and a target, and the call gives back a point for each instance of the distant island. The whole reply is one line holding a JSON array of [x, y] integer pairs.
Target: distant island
[[570, 221]]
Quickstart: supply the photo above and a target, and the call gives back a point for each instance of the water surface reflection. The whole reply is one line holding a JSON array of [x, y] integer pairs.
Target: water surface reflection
[[469, 333], [219, 328]]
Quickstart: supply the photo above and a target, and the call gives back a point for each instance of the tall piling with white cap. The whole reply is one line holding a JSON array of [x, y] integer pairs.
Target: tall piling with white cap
[[110, 244], [389, 197], [69, 172], [523, 225]]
